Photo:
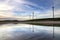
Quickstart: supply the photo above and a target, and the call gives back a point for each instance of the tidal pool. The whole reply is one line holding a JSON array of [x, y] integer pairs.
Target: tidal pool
[[25, 32]]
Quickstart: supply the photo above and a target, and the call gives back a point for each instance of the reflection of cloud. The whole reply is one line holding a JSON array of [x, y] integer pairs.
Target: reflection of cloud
[[23, 31]]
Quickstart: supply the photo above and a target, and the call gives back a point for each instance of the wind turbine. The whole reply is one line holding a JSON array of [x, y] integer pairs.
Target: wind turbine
[[53, 16], [33, 21]]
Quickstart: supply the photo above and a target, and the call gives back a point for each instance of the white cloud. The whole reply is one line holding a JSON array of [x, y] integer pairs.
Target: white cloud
[[6, 14], [8, 6], [5, 7], [56, 2], [48, 14]]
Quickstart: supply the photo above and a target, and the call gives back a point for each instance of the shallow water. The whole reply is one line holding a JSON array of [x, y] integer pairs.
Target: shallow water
[[25, 32]]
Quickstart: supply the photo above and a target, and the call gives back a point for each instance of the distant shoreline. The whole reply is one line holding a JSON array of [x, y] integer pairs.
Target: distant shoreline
[[43, 23]]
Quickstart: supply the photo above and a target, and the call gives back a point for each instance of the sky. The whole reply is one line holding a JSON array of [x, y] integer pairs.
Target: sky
[[24, 9]]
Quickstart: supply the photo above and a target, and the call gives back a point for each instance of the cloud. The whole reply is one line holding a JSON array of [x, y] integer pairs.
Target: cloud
[[48, 14], [56, 2], [14, 5], [5, 7], [23, 9]]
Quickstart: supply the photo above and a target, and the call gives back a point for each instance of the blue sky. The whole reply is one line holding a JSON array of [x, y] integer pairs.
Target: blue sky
[[24, 8]]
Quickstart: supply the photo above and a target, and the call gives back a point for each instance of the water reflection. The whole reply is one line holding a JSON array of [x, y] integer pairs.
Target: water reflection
[[24, 32]]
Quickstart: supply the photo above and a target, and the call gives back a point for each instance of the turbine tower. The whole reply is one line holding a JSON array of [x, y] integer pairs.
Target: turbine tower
[[53, 16], [33, 21]]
